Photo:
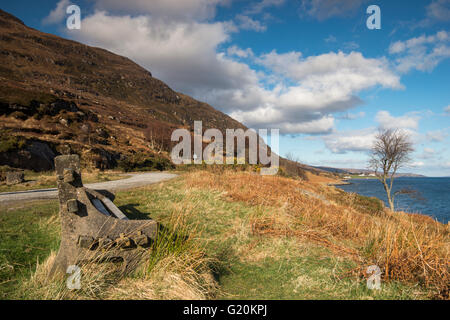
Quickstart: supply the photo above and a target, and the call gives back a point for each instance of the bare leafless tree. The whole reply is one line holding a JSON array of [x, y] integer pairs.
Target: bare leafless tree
[[391, 151]]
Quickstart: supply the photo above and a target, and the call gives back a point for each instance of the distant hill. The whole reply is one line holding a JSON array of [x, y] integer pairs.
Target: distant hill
[[333, 170], [365, 171]]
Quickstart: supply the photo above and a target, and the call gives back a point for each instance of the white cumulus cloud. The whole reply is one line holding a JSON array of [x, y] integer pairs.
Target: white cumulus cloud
[[436, 136], [294, 93], [422, 53], [238, 52], [362, 140], [438, 10], [58, 13], [416, 164], [387, 121], [248, 23], [351, 140]]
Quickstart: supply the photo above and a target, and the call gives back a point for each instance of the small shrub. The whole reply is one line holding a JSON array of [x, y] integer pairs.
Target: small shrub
[[9, 142], [143, 162]]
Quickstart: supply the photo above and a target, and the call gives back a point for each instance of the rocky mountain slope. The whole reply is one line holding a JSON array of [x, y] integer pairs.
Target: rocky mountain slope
[[58, 95]]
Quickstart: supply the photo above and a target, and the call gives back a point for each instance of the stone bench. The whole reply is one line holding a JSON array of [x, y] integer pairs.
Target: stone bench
[[92, 227]]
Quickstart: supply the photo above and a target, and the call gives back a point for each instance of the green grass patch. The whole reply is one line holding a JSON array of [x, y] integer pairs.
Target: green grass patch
[[27, 235]]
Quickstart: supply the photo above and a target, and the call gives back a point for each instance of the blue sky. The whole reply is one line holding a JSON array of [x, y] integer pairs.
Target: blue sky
[[310, 68]]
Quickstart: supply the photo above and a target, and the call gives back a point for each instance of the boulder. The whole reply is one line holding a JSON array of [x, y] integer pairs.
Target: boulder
[[60, 105], [37, 156], [14, 177]]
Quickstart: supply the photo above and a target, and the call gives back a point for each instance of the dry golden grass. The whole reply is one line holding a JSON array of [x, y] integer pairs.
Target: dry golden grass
[[271, 219], [96, 278], [176, 268], [409, 248], [173, 277], [321, 178]]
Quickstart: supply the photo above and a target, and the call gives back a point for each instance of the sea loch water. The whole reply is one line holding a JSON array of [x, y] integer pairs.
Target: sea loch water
[[432, 199]]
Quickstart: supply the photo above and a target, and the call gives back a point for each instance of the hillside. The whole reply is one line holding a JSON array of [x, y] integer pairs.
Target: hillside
[[58, 95], [365, 171]]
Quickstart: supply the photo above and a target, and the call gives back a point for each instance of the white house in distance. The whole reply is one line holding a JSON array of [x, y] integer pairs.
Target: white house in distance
[[367, 174]]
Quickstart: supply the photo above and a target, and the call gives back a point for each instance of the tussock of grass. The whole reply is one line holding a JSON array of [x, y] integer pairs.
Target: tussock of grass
[[96, 279], [176, 268]]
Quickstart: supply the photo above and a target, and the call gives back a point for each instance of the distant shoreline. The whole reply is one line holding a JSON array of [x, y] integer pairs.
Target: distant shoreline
[[339, 183]]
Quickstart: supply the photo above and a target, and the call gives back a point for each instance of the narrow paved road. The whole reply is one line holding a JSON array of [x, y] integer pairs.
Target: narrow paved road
[[135, 180]]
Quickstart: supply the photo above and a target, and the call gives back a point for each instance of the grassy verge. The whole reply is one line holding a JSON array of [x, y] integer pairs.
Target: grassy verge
[[45, 180], [250, 237], [362, 177]]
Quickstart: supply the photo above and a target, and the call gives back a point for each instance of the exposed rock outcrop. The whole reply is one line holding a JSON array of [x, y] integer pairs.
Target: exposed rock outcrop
[[37, 156], [14, 177]]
